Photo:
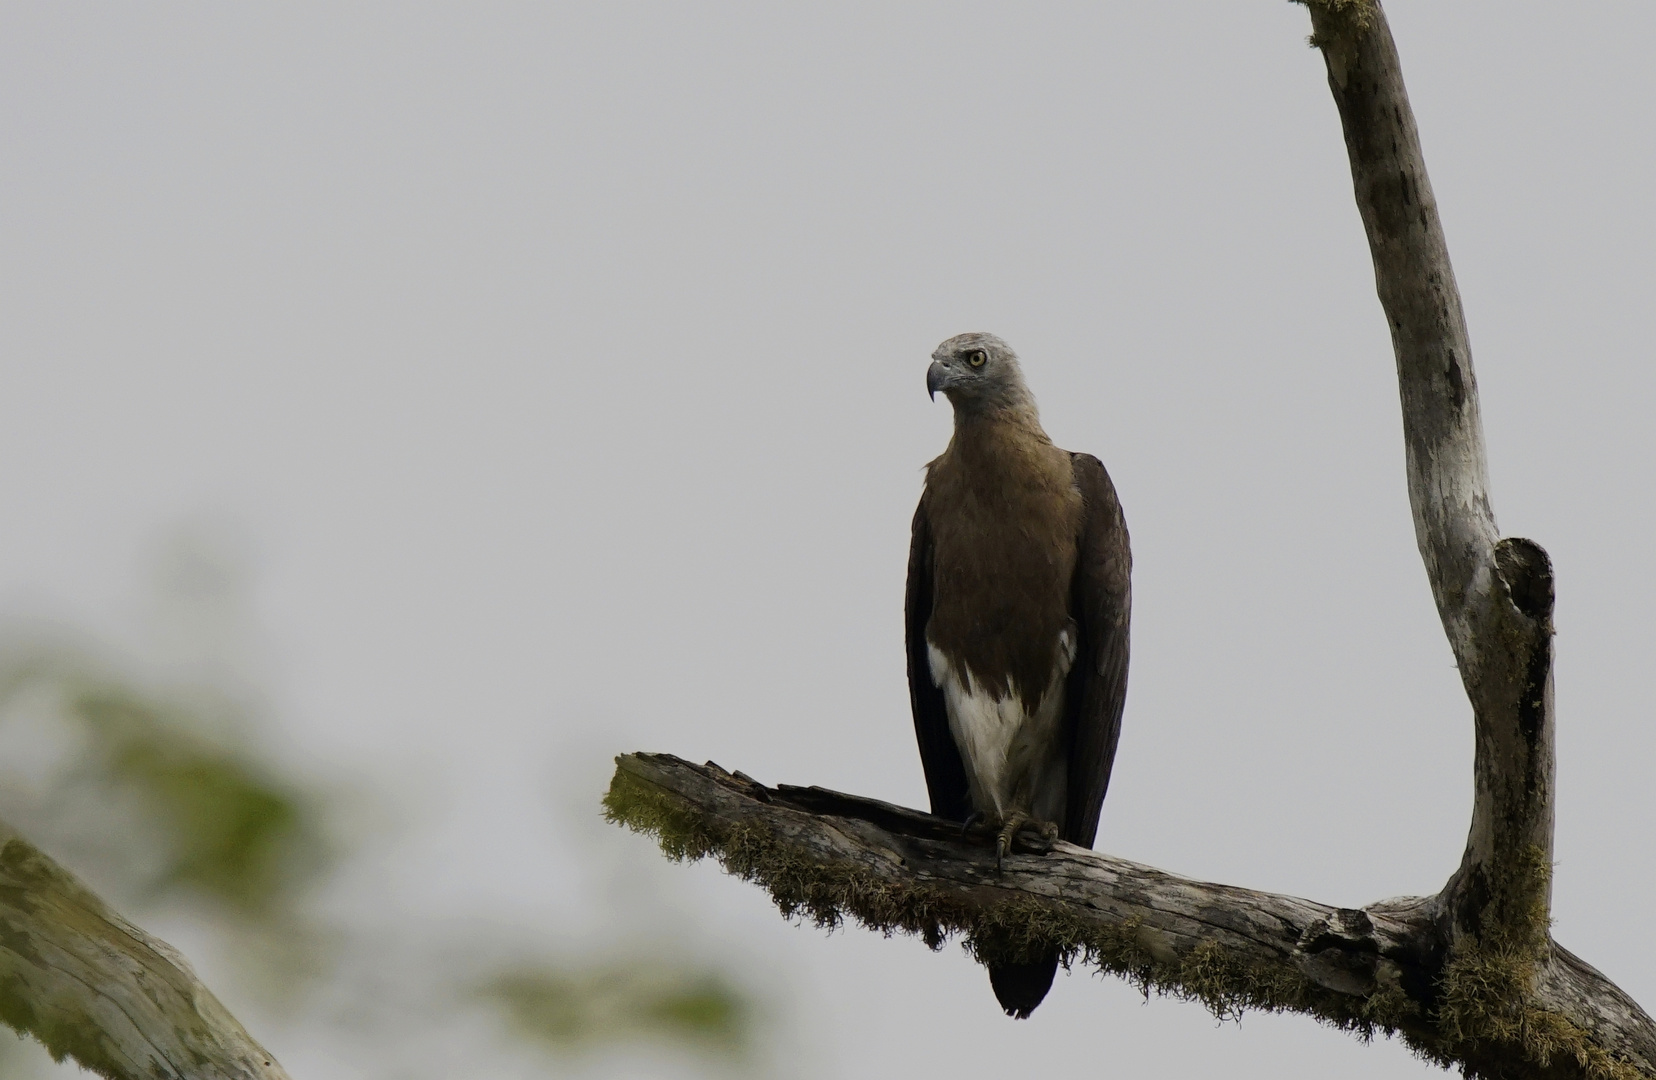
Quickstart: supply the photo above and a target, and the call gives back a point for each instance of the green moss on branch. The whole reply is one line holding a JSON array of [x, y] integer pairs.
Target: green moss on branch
[[1010, 928], [1483, 1017]]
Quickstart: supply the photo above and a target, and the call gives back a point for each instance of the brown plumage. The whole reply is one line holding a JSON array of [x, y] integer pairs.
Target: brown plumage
[[1017, 616], [1005, 527]]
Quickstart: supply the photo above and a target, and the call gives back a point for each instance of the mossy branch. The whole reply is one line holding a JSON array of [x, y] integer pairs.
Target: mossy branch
[[93, 987], [1514, 1009]]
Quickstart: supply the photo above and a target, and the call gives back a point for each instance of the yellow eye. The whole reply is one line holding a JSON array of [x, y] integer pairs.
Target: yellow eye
[[977, 357]]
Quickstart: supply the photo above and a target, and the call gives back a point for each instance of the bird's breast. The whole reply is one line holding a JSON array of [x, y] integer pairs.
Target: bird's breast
[[1001, 593]]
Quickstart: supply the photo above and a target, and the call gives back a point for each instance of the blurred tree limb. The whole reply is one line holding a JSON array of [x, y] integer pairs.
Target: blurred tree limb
[[91, 986], [1469, 977], [1385, 968]]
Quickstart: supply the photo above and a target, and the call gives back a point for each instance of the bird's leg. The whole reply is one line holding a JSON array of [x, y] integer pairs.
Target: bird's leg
[[973, 820], [1016, 822]]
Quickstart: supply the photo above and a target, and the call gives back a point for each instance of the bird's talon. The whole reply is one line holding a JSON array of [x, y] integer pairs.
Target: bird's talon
[[1018, 823], [1009, 833]]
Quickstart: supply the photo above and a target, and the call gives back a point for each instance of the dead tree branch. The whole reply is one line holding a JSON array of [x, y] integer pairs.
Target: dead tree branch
[[1470, 977], [93, 987], [829, 857], [1495, 596]]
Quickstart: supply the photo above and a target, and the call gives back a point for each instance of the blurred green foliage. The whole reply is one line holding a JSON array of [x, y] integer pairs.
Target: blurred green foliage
[[620, 1002], [197, 811], [230, 829], [165, 795]]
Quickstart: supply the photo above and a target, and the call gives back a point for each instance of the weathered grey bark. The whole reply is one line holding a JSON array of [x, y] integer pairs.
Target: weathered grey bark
[[93, 987], [1468, 977], [1383, 968], [1495, 596]]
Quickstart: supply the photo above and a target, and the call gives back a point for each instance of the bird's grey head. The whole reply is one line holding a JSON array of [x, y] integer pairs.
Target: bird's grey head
[[979, 373]]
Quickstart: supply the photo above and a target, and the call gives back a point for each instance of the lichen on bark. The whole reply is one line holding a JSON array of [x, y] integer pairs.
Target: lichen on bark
[[1478, 1006], [998, 922]]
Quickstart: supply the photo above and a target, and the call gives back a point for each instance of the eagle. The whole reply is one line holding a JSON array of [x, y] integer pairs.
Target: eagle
[[1016, 624]]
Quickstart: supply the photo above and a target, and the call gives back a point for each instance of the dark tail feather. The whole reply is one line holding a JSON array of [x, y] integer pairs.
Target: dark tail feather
[[1021, 987]]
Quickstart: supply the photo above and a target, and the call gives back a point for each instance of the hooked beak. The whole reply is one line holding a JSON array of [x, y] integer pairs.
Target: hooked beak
[[937, 378]]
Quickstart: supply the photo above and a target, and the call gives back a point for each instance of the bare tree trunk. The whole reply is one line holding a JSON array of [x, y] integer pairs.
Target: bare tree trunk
[[93, 987], [1469, 977]]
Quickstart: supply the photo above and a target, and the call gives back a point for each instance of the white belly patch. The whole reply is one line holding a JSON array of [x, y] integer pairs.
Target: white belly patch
[[1014, 757]]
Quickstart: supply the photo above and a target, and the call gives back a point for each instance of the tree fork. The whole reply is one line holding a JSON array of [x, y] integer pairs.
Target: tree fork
[[1470, 977]]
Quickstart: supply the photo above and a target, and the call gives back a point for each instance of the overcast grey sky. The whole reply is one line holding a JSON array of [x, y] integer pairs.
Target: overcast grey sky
[[564, 366]]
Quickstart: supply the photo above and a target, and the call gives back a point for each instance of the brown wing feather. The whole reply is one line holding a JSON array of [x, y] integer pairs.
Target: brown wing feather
[[945, 772], [1097, 686]]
